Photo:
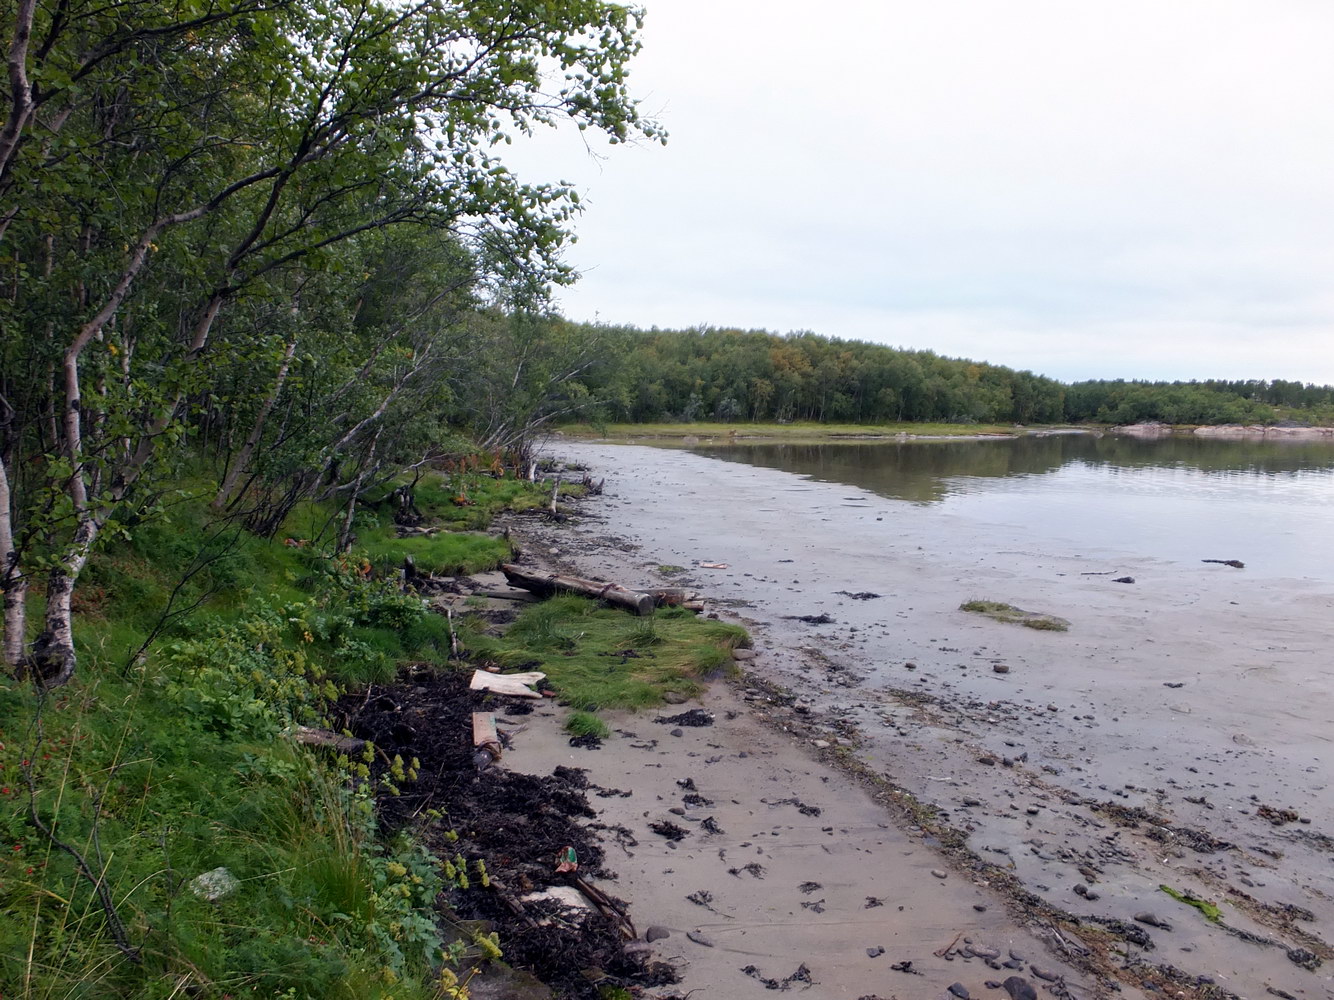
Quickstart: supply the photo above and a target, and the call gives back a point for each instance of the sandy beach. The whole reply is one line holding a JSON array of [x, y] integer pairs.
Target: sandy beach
[[1177, 736]]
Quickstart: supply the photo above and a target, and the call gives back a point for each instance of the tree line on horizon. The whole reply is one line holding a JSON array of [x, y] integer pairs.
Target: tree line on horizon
[[707, 374]]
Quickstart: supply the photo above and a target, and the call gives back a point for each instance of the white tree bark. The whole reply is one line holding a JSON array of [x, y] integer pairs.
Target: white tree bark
[[12, 580]]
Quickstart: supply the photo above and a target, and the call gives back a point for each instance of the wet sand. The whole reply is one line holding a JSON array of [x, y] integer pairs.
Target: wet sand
[[784, 866], [1179, 734]]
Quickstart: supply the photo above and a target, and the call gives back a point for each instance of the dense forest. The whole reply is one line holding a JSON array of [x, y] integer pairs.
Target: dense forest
[[732, 375], [272, 243]]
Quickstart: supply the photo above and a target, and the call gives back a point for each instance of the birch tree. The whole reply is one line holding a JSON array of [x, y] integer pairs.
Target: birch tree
[[160, 163]]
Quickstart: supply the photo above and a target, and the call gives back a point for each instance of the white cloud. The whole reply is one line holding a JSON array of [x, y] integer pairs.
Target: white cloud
[[1135, 188]]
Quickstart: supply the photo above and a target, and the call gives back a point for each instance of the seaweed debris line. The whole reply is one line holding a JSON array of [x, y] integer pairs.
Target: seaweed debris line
[[507, 833]]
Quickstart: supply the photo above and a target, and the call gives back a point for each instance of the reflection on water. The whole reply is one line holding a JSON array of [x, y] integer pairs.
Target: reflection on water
[[1269, 503]]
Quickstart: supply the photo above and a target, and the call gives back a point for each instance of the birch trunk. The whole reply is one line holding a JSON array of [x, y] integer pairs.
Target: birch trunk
[[53, 660], [12, 580]]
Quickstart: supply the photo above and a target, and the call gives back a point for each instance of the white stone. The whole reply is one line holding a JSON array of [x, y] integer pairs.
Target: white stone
[[215, 885]]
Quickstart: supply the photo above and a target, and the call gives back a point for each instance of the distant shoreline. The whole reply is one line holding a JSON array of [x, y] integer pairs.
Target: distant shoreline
[[813, 433]]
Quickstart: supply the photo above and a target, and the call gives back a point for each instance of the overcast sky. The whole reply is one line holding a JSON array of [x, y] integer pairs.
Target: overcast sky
[[1085, 189]]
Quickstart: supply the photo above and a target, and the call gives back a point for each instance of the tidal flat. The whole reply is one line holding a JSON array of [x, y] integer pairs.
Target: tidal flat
[[1178, 735]]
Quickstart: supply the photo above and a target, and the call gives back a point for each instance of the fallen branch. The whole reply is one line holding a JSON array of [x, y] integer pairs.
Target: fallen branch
[[607, 906], [97, 881], [312, 737], [547, 584]]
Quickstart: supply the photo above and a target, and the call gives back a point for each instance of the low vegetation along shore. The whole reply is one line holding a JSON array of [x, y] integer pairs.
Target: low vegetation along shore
[[262, 780]]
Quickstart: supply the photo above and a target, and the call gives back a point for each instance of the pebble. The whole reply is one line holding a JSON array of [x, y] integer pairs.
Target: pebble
[[960, 991], [1044, 974], [1000, 668], [699, 938], [980, 907], [743, 654], [678, 732], [874, 952], [1020, 989], [656, 933], [910, 666], [822, 744], [938, 873], [674, 698], [1052, 708]]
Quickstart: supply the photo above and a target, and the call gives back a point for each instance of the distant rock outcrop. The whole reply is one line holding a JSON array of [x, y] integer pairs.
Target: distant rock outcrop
[[1286, 431], [1152, 428]]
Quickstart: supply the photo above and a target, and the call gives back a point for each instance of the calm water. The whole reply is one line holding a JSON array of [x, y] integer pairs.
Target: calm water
[[1269, 504]]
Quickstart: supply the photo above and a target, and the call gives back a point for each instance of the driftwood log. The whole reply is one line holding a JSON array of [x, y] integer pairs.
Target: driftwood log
[[547, 584], [485, 740], [674, 596]]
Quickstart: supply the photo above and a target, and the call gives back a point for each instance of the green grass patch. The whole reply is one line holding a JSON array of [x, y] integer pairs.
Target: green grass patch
[[449, 552], [161, 768], [470, 500], [602, 658], [181, 766], [1017, 616]]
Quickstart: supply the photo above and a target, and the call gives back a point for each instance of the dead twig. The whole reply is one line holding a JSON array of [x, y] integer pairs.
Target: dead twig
[[949, 947]]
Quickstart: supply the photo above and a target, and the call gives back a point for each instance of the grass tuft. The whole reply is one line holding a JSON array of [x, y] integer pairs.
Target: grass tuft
[[586, 724]]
